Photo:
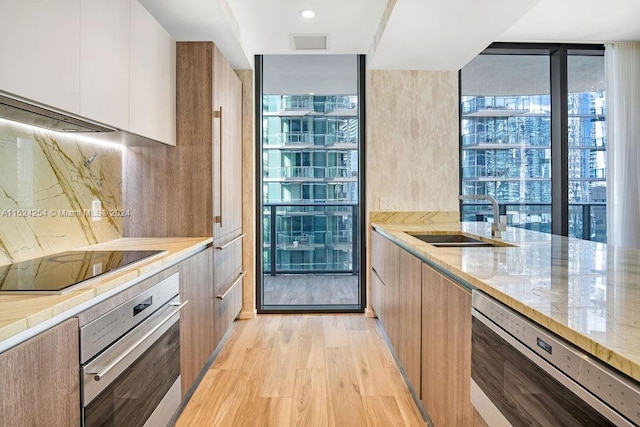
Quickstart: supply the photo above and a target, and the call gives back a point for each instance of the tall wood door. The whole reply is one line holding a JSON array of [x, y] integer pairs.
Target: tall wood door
[[227, 146], [446, 350]]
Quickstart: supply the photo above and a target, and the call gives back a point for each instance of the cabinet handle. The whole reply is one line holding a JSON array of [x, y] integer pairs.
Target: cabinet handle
[[231, 242], [218, 218], [98, 375], [240, 276]]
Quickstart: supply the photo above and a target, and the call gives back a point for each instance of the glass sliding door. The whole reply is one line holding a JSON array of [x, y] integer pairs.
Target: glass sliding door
[[310, 183]]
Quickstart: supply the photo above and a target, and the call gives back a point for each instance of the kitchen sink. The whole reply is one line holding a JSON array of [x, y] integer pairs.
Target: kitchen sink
[[453, 240]]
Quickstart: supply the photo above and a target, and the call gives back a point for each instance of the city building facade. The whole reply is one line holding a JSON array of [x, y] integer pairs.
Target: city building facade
[[310, 183]]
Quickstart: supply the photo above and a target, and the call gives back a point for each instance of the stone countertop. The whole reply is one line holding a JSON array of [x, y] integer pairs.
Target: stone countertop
[[586, 292], [23, 316]]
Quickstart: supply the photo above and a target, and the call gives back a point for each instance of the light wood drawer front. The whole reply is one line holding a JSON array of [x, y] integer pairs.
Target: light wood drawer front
[[227, 307], [227, 262]]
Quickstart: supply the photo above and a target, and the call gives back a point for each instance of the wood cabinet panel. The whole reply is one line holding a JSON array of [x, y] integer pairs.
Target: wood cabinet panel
[[392, 303], [410, 343], [228, 304], [40, 379], [388, 310], [377, 264], [197, 322], [228, 262], [227, 145], [446, 350], [397, 301], [39, 47], [377, 295]]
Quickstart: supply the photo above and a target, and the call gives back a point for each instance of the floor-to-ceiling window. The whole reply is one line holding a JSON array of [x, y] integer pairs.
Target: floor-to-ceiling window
[[310, 183], [533, 136]]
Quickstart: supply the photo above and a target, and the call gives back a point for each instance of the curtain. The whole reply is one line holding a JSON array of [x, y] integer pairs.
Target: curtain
[[622, 63]]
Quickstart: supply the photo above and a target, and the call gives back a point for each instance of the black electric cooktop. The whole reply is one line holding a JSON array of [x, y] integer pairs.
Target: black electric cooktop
[[60, 273]]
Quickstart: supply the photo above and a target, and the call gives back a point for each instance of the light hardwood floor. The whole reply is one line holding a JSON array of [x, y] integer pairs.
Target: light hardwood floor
[[309, 289], [303, 370]]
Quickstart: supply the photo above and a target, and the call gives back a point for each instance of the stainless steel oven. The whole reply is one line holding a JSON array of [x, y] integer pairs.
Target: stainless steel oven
[[522, 374], [131, 360]]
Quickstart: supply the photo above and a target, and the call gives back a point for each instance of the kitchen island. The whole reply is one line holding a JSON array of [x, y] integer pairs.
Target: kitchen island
[[585, 292]]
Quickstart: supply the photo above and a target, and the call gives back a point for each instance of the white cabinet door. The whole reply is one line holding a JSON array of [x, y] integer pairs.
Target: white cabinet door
[[104, 61], [39, 47], [152, 108]]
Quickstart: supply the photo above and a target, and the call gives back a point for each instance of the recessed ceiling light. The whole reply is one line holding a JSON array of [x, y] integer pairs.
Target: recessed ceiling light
[[307, 13]]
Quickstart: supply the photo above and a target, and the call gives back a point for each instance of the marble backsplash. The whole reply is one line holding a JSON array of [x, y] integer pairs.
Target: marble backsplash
[[48, 181], [413, 218]]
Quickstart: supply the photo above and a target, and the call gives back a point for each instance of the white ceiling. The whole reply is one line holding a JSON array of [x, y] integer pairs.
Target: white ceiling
[[583, 21], [419, 34]]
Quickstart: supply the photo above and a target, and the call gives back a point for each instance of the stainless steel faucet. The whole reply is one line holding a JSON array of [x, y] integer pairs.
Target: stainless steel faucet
[[496, 226]]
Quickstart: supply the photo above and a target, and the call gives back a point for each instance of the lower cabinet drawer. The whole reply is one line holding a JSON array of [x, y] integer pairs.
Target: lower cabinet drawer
[[227, 306]]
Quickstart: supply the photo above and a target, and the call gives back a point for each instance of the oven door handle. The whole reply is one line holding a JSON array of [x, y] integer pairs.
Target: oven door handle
[[102, 372]]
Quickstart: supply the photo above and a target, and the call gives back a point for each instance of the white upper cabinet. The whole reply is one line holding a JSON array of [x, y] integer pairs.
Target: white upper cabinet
[[104, 61], [39, 45], [152, 107]]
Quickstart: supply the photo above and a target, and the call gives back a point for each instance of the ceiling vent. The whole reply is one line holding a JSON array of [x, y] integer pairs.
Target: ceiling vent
[[309, 41]]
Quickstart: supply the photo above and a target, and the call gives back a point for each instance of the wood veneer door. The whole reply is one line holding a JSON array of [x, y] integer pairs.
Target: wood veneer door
[[393, 305], [40, 379], [377, 240], [227, 146], [446, 350], [197, 317], [377, 296], [410, 345]]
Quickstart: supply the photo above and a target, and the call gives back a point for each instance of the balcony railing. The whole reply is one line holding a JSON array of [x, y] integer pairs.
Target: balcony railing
[[310, 238], [328, 139], [537, 216], [311, 172]]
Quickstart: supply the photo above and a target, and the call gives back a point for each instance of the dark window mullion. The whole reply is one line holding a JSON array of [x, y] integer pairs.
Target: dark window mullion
[[559, 143]]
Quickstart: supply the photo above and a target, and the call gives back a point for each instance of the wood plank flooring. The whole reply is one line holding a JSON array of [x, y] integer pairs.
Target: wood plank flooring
[[303, 370], [310, 289]]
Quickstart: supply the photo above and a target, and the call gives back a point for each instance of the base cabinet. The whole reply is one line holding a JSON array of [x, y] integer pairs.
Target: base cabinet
[[40, 379], [446, 350], [396, 298], [228, 304], [410, 289], [197, 319], [427, 318]]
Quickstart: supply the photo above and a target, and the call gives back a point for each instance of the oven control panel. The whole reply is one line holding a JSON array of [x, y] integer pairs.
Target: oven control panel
[[610, 386], [100, 333]]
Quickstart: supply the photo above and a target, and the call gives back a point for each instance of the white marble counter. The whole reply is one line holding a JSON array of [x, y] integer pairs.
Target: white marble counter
[[586, 292], [23, 316]]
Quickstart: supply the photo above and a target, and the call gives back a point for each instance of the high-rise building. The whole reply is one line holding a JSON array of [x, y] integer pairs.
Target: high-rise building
[[506, 142], [310, 182]]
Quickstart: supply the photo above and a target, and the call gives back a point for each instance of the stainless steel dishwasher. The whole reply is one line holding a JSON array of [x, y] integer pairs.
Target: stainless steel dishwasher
[[131, 360], [522, 374]]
